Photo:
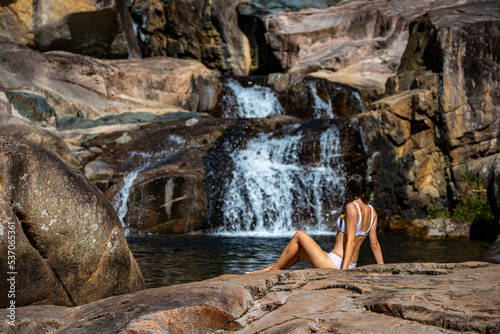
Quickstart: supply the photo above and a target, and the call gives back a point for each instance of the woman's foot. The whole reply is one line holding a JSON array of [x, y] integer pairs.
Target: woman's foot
[[258, 271]]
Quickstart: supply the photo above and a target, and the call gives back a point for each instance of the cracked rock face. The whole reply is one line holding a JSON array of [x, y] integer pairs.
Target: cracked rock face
[[69, 244], [391, 298]]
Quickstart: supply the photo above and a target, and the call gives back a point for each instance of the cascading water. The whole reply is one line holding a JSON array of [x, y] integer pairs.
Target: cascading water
[[322, 109], [250, 102], [272, 193], [144, 161]]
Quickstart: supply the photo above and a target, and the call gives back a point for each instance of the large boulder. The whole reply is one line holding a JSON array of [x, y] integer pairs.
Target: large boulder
[[72, 84], [100, 29], [203, 30], [68, 246]]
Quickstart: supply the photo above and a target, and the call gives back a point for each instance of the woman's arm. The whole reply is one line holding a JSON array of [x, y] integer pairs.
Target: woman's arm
[[351, 221], [374, 245]]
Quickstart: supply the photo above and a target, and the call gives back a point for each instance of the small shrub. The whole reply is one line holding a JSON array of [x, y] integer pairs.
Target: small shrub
[[474, 209]]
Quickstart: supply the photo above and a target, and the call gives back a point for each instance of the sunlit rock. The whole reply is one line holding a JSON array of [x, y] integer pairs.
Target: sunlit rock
[[419, 297], [201, 30], [440, 117], [359, 43], [100, 29], [91, 88]]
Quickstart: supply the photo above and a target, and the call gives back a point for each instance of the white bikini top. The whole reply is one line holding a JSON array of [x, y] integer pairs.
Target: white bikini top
[[341, 224]]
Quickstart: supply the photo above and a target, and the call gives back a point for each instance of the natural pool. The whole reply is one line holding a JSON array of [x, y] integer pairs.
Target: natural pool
[[168, 260]]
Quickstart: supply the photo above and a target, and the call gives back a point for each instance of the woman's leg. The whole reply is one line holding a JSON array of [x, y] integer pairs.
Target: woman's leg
[[301, 246]]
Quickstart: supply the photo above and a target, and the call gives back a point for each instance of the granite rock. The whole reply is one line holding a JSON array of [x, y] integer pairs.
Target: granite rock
[[419, 297], [69, 244]]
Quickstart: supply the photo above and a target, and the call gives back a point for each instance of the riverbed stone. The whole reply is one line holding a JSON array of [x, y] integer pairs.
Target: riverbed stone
[[99, 173], [70, 248], [419, 297]]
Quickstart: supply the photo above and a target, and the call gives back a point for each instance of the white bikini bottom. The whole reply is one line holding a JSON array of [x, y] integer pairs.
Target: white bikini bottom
[[337, 261]]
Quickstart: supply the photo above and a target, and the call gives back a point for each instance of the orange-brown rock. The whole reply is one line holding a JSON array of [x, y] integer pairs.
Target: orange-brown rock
[[440, 116], [100, 29], [359, 43], [92, 88], [419, 297], [203, 30]]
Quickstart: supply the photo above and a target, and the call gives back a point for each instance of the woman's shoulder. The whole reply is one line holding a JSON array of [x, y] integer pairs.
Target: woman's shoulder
[[351, 207]]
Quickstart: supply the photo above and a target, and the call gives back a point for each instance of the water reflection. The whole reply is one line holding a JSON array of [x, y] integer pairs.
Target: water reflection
[[168, 260]]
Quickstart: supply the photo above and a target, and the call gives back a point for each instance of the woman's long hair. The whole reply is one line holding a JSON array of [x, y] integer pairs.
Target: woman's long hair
[[355, 188]]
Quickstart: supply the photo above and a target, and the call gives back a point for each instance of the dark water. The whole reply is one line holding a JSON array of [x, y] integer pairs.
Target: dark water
[[168, 260]]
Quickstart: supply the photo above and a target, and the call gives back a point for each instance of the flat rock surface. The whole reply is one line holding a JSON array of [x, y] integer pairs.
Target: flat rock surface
[[414, 298]]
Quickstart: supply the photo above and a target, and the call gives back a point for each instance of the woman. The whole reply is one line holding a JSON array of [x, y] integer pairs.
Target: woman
[[356, 222]]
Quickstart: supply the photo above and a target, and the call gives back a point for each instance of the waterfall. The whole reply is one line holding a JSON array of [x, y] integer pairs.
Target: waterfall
[[250, 102], [121, 199], [322, 109], [272, 193], [144, 161]]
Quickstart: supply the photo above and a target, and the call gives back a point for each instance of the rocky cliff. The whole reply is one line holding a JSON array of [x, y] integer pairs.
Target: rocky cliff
[[438, 118]]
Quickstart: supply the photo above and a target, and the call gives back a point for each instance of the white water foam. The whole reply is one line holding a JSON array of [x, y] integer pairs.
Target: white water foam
[[322, 109], [250, 102], [270, 191], [121, 200]]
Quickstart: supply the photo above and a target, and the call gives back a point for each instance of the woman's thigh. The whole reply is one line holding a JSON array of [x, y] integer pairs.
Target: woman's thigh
[[312, 252]]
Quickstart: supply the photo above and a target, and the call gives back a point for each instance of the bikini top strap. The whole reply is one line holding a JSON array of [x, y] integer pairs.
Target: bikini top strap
[[371, 223], [359, 211]]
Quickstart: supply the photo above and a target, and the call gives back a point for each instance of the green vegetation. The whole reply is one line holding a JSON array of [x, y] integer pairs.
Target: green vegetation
[[473, 206]]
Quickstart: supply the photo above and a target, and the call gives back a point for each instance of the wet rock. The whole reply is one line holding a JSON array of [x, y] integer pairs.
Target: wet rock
[[32, 106], [161, 183], [99, 173], [75, 122], [167, 194], [421, 298], [69, 244], [201, 30], [492, 254], [494, 187], [428, 228], [97, 29], [91, 88], [296, 96]]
